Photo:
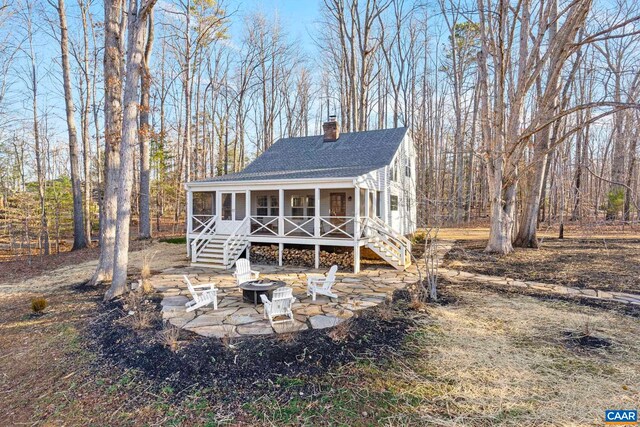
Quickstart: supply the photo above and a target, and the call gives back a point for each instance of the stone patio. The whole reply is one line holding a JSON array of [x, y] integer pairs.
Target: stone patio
[[234, 317]]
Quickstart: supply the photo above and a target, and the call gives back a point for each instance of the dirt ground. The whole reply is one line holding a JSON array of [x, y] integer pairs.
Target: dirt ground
[[482, 357], [595, 263]]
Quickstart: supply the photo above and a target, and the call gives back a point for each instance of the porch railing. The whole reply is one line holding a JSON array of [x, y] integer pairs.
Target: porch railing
[[200, 242], [263, 225], [337, 226], [199, 221], [303, 226]]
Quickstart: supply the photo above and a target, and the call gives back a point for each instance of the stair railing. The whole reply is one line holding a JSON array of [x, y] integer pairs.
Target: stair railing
[[399, 245], [235, 240], [200, 242]]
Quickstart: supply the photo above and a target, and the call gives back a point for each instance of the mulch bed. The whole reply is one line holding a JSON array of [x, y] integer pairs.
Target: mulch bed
[[234, 370], [611, 264]]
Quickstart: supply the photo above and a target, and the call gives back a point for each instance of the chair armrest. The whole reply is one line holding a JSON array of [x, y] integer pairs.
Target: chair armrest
[[255, 273], [264, 299], [293, 300], [235, 274], [315, 280]]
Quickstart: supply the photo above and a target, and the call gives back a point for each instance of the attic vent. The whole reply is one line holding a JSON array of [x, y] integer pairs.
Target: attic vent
[[331, 129]]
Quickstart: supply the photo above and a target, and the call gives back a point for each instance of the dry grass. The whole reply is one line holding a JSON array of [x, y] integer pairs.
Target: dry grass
[[140, 317], [384, 311], [610, 264], [38, 304], [341, 331], [170, 337], [592, 231], [145, 273], [498, 360]]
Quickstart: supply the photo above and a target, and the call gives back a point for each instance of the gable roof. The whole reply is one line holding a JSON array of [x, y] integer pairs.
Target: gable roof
[[351, 155]]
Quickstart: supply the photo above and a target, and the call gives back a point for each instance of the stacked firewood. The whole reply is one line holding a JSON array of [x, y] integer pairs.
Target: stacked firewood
[[301, 257]]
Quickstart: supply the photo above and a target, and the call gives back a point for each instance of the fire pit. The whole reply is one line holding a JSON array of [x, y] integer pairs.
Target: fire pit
[[252, 289]]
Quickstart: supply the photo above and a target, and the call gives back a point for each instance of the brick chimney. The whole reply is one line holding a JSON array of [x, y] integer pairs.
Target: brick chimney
[[331, 129]]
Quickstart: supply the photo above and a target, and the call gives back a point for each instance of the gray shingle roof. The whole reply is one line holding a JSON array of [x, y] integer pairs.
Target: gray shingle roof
[[353, 154]]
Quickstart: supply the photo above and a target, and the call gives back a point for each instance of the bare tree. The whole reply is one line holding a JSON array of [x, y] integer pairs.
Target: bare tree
[[138, 16], [79, 237], [145, 134], [113, 74]]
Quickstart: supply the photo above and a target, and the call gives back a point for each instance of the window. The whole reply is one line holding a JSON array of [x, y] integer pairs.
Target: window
[[267, 206], [297, 206], [394, 203], [262, 206], [303, 206], [407, 168], [379, 204], [274, 211], [311, 206], [394, 171], [227, 211]]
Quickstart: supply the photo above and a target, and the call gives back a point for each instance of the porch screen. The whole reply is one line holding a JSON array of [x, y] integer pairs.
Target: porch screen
[[203, 203]]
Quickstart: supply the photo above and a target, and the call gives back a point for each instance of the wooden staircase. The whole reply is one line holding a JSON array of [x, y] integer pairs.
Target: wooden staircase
[[388, 244]]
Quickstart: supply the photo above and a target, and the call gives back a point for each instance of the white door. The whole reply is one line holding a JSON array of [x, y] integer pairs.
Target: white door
[[232, 211]]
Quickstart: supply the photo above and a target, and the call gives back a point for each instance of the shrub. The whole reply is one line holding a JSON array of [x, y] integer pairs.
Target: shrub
[[418, 238], [175, 240], [170, 336], [341, 331], [141, 317], [38, 304], [616, 203]]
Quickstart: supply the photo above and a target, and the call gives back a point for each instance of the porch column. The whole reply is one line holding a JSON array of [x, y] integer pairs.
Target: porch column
[[218, 203], [356, 258], [280, 249], [247, 208], [280, 215], [317, 257], [189, 211], [247, 212], [367, 203], [189, 220], [375, 204], [316, 220], [384, 203], [356, 215]]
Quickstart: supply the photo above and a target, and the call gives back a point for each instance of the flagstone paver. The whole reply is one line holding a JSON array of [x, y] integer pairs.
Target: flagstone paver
[[234, 317]]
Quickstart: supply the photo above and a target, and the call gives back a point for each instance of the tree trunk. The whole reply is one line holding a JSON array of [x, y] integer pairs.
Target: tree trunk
[[44, 228], [137, 18], [145, 133], [112, 134], [79, 240]]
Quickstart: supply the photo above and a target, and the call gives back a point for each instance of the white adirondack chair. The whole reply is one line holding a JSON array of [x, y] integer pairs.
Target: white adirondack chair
[[319, 284], [203, 295], [279, 306], [244, 273]]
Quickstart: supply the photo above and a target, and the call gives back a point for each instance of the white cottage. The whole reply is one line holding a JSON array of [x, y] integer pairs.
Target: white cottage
[[353, 189]]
